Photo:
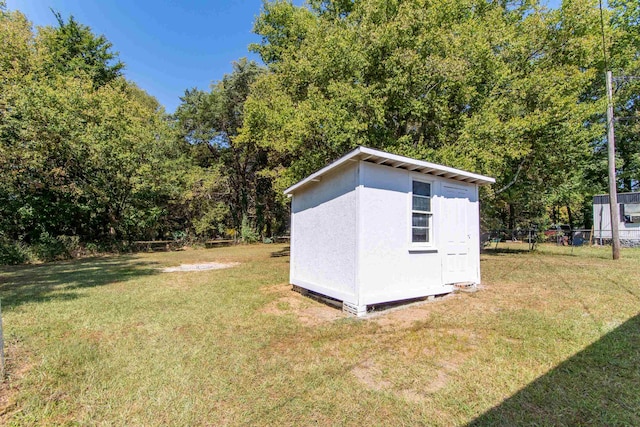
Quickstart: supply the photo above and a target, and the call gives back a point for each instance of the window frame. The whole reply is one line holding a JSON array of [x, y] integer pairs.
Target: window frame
[[430, 213], [628, 218]]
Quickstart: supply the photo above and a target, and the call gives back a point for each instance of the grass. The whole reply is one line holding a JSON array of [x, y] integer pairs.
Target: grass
[[551, 338]]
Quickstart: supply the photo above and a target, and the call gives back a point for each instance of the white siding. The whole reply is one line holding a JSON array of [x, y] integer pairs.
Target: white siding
[[351, 235], [390, 267], [323, 235], [602, 225]]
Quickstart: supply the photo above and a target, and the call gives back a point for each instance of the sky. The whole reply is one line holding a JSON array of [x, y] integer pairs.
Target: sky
[[168, 46]]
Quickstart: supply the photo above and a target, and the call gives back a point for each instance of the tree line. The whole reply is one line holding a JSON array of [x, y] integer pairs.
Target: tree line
[[510, 89]]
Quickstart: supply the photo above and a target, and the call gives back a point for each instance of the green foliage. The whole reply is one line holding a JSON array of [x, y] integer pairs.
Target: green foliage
[[233, 182], [248, 233], [83, 152], [625, 61], [49, 248], [13, 252], [73, 49], [510, 91], [207, 213]]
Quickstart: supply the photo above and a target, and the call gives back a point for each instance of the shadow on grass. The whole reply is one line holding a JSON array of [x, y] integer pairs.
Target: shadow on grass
[[60, 280], [505, 251], [283, 252], [598, 386]]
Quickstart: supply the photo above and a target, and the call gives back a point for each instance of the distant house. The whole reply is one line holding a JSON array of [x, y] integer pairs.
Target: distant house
[[628, 219], [374, 227]]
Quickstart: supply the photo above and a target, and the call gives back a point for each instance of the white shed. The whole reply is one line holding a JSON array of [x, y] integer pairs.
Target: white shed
[[628, 219], [374, 227]]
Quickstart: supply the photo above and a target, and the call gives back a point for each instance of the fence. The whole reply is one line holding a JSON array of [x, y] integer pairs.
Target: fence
[[628, 238], [576, 237]]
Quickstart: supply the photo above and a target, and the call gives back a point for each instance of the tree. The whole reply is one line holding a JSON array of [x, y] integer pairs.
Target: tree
[[625, 62], [212, 120], [72, 48], [99, 162], [493, 87]]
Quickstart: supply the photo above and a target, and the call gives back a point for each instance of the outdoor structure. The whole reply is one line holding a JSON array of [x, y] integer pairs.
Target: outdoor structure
[[628, 219], [374, 227]]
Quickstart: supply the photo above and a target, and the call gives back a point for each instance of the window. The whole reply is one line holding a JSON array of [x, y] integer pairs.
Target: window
[[630, 212], [421, 212]]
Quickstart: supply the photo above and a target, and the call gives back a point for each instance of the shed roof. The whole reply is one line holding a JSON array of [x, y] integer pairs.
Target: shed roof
[[392, 160], [631, 198]]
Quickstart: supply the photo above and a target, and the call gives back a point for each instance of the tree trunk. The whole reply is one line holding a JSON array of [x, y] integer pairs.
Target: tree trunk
[[512, 217], [570, 215]]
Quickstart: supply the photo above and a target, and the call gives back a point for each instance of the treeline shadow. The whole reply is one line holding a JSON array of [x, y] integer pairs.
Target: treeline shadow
[[61, 280], [286, 251], [504, 251], [598, 386]]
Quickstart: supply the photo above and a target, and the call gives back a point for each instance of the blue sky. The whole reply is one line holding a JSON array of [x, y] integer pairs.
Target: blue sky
[[167, 45]]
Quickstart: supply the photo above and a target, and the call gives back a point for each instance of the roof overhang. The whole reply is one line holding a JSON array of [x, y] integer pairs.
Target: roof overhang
[[392, 160]]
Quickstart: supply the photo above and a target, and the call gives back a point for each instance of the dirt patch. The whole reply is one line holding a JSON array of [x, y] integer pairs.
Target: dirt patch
[[404, 316], [17, 365], [308, 311], [200, 267], [442, 367], [320, 314], [370, 375], [281, 288]]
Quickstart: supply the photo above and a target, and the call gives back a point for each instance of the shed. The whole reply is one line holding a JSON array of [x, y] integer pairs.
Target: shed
[[628, 219], [374, 227]]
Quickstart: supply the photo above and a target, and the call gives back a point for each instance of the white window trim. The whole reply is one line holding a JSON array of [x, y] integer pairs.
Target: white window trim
[[420, 245]]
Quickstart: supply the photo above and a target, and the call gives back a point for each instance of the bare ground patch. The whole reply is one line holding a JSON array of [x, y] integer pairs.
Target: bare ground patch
[[442, 366], [371, 376], [16, 367], [308, 311], [405, 315]]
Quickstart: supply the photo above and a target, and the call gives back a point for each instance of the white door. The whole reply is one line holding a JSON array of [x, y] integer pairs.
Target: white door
[[456, 234]]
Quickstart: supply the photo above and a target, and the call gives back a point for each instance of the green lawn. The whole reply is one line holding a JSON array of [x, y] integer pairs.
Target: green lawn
[[551, 338]]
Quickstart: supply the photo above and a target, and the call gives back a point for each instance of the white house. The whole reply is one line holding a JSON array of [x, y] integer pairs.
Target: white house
[[374, 227], [628, 219]]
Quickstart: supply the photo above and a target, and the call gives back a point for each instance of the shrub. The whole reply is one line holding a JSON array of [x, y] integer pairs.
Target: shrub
[[247, 233], [50, 248], [12, 253]]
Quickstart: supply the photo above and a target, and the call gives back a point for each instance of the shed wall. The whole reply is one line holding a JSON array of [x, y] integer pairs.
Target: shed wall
[[602, 224], [390, 267], [323, 235]]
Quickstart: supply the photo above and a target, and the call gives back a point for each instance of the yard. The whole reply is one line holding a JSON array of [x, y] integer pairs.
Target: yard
[[551, 338]]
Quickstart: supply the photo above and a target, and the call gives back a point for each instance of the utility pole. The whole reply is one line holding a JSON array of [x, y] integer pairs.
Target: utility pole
[[613, 188]]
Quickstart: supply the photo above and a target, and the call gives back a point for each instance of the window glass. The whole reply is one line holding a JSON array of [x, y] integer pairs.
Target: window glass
[[421, 203], [421, 188], [420, 235], [419, 220], [421, 212]]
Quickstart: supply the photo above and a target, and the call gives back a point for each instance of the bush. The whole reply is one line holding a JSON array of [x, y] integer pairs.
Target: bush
[[50, 248], [247, 233], [12, 253]]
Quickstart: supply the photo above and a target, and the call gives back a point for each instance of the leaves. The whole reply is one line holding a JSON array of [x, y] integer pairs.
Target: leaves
[[512, 91], [81, 154]]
